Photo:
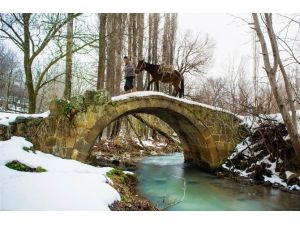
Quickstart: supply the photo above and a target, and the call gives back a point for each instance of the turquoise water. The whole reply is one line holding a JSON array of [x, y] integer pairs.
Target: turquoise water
[[170, 184]]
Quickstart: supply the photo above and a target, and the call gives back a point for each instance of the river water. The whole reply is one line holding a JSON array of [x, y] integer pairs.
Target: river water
[[171, 184]]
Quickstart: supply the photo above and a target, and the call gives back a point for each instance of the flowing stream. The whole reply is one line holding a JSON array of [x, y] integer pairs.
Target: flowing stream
[[171, 184]]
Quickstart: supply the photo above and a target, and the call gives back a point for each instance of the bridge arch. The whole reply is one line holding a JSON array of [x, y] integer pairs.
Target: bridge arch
[[197, 140]]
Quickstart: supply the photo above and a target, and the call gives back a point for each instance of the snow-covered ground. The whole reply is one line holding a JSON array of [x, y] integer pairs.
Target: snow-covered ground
[[67, 184], [6, 118]]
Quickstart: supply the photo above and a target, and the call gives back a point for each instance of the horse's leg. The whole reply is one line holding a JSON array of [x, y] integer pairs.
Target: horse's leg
[[157, 85], [175, 91], [151, 81], [175, 83]]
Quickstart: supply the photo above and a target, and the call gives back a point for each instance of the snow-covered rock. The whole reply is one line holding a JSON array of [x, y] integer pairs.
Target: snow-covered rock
[[6, 118]]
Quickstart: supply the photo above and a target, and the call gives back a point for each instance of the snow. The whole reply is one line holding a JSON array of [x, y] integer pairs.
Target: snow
[[6, 118], [241, 147], [288, 173], [155, 93], [274, 179], [67, 184], [151, 143]]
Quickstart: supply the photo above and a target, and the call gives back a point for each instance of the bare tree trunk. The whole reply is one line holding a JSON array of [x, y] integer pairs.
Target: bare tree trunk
[[7, 93], [27, 64], [68, 77], [102, 50], [172, 42], [140, 48], [166, 40], [130, 22], [150, 40], [119, 46], [134, 43], [111, 56], [271, 72], [156, 20]]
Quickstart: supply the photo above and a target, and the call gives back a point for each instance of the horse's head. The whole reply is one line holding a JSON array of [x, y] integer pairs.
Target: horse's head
[[140, 66]]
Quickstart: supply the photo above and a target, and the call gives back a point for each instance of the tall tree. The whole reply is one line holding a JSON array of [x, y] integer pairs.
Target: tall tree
[[172, 40], [156, 20], [166, 40], [102, 50], [69, 53], [134, 41], [271, 71], [150, 40], [140, 25], [111, 53], [129, 28], [119, 47], [32, 33]]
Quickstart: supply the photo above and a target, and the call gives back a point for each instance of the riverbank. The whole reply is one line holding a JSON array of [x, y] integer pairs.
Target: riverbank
[[124, 152], [126, 184], [266, 157]]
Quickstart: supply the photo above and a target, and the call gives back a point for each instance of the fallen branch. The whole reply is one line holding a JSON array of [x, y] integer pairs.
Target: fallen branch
[[164, 134]]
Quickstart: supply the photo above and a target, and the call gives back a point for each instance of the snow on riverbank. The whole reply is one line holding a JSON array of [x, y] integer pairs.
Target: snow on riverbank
[[67, 184], [246, 150], [6, 118]]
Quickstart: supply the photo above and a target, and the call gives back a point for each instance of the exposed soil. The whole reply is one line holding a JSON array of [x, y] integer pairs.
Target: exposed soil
[[131, 200]]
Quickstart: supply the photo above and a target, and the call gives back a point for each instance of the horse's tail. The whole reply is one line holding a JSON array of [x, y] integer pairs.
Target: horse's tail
[[182, 88]]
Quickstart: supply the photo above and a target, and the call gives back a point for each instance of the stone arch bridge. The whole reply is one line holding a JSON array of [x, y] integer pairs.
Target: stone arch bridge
[[208, 135]]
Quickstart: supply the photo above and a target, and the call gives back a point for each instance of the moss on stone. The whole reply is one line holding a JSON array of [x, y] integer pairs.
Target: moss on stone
[[79, 103]]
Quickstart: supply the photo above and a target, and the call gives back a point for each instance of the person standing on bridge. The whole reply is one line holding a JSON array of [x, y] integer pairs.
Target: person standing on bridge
[[129, 74]]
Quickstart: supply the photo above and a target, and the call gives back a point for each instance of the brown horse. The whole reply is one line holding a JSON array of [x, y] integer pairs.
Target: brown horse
[[157, 75]]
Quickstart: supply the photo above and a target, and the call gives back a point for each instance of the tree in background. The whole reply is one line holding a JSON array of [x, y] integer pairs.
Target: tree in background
[[194, 54], [140, 31], [102, 50], [11, 81]]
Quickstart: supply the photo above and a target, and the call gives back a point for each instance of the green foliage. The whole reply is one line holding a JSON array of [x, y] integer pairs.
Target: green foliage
[[28, 139], [16, 165], [117, 173], [124, 199], [70, 108], [40, 169], [28, 149]]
